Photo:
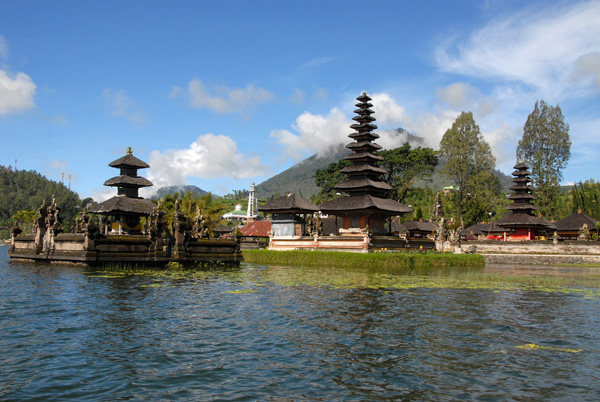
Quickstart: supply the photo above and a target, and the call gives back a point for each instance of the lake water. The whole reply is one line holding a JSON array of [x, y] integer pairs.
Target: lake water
[[263, 333]]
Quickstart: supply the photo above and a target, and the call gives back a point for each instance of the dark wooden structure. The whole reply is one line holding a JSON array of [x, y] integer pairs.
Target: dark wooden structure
[[418, 229], [571, 227], [366, 207], [520, 223], [289, 215], [123, 211]]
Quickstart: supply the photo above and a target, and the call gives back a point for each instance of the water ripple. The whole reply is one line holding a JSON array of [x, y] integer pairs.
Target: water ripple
[[66, 334]]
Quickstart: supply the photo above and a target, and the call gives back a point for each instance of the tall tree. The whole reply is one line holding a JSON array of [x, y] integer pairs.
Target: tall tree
[[470, 164], [546, 148], [405, 165]]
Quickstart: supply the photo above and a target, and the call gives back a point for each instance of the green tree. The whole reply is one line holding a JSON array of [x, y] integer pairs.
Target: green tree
[[25, 220], [546, 148], [405, 165], [23, 190], [470, 164], [327, 179], [586, 198], [189, 203]]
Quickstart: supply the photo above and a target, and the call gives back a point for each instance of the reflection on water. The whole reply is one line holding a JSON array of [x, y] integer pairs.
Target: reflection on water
[[284, 333]]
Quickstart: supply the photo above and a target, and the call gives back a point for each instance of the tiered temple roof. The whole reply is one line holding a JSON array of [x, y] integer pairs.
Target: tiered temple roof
[[127, 201], [365, 188], [521, 210]]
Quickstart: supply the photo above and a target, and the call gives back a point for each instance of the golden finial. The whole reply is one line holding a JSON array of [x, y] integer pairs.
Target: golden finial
[[129, 151]]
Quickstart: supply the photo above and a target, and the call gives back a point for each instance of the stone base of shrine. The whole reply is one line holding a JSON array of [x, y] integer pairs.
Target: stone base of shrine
[[101, 250], [359, 243]]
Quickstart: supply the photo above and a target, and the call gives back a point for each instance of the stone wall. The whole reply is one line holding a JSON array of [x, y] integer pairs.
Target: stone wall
[[536, 252]]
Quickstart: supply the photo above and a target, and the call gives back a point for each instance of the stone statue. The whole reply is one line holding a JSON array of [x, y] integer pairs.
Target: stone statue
[[584, 233], [440, 234], [156, 227], [39, 227], [200, 229]]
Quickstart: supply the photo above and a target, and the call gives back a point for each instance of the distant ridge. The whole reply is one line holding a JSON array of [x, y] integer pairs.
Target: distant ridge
[[299, 180], [164, 191]]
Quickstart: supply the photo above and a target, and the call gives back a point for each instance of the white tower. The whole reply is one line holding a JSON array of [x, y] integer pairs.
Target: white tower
[[252, 204]]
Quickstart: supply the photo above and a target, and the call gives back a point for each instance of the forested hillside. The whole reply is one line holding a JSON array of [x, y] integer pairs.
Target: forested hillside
[[24, 191], [299, 179]]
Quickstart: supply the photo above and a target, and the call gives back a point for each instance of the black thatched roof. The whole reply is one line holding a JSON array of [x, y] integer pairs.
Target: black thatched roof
[[361, 156], [482, 229], [575, 222], [363, 145], [418, 226], [363, 203], [524, 220], [363, 184], [367, 135], [129, 161], [363, 167], [124, 180], [123, 204], [288, 204]]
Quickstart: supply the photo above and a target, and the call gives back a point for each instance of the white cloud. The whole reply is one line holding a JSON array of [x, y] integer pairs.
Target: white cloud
[[588, 67], [101, 194], [387, 111], [210, 156], [463, 96], [538, 48], [320, 93], [297, 97], [224, 100], [16, 93], [122, 105], [314, 133]]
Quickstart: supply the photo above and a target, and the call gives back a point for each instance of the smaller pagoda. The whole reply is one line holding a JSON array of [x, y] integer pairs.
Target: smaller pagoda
[[520, 220], [127, 207], [366, 206]]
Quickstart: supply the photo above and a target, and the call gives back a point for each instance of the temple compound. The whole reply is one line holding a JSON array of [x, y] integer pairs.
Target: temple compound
[[520, 223], [365, 209], [120, 236]]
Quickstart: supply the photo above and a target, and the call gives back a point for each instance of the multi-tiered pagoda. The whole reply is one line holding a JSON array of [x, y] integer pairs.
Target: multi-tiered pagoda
[[366, 206], [520, 220], [127, 207]]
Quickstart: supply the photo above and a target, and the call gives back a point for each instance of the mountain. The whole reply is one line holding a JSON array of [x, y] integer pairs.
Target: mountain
[[299, 180], [164, 191]]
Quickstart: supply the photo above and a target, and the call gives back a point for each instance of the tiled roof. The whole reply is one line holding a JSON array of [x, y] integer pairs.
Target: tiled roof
[[257, 229]]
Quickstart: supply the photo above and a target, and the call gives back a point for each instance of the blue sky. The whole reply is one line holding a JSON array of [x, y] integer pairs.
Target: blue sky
[[224, 94]]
